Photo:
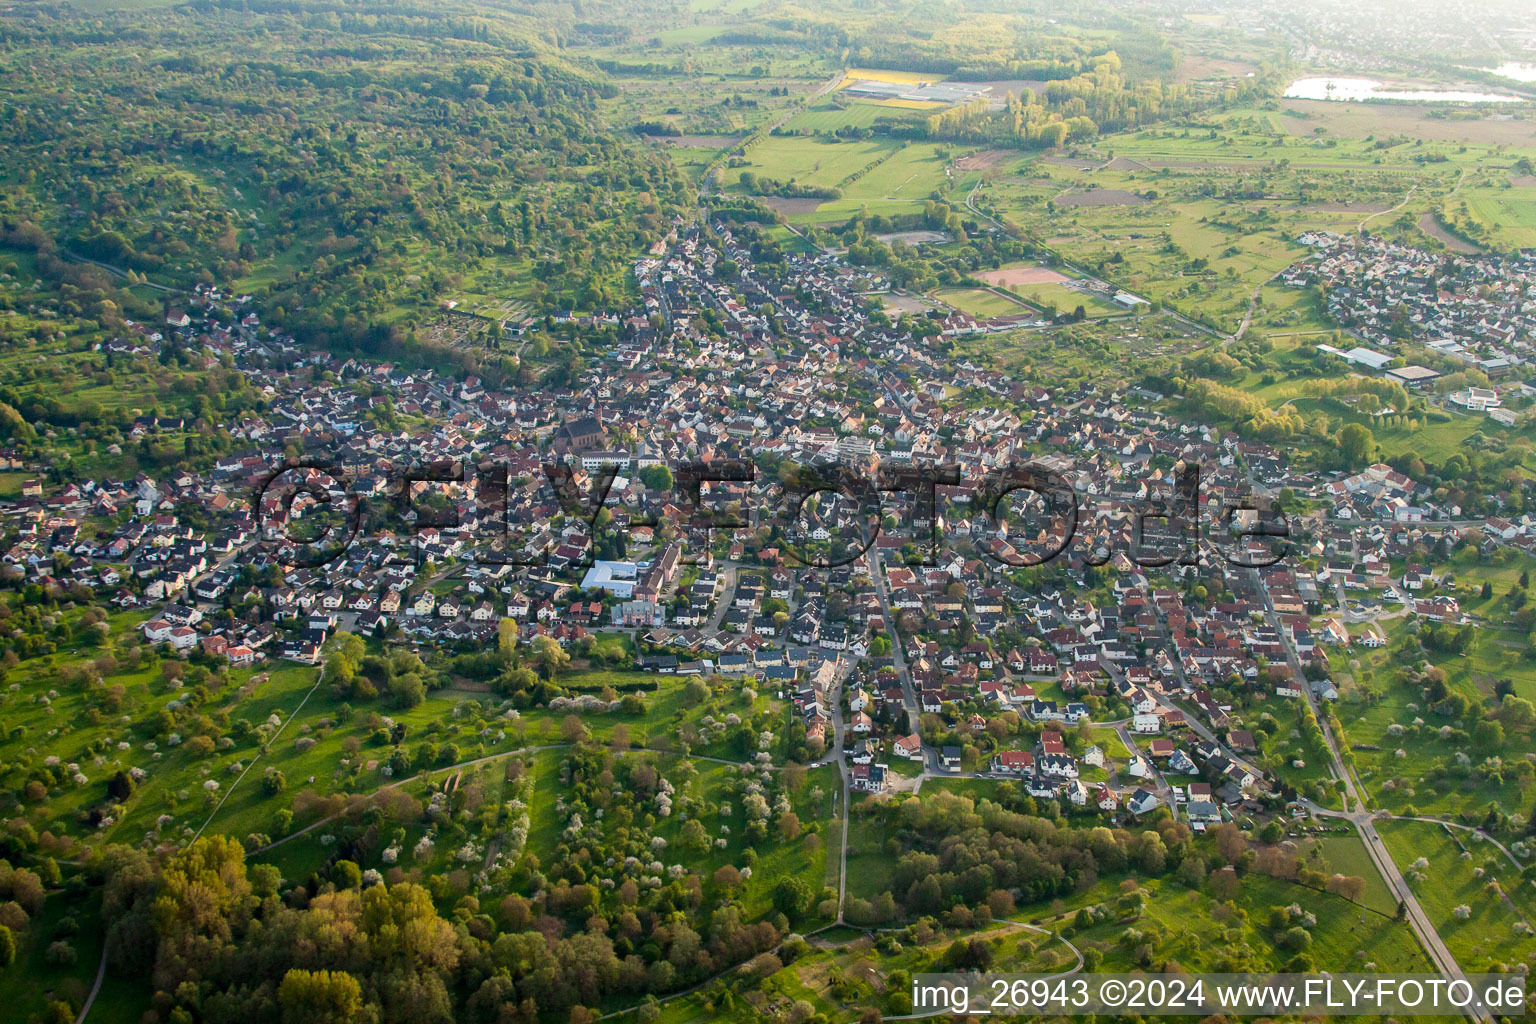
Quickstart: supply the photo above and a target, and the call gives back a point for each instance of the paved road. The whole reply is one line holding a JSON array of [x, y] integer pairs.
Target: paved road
[[1194, 722], [899, 658], [723, 605], [835, 698], [109, 268], [1444, 962]]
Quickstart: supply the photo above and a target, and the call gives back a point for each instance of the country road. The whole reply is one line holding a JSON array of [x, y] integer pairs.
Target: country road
[[1253, 307], [109, 268], [1078, 966], [1356, 813], [898, 656], [789, 115]]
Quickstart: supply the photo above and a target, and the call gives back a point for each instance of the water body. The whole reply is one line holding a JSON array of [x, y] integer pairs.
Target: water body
[[1519, 72], [1367, 89]]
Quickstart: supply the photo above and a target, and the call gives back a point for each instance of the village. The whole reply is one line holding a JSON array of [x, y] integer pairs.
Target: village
[[1468, 312], [1095, 677]]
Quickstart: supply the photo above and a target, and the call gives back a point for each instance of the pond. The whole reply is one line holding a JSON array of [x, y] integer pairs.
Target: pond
[[1519, 72], [1368, 89]]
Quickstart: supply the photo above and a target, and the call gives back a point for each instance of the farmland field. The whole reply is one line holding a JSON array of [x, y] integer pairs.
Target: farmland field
[[828, 117], [819, 161], [896, 77], [1508, 214]]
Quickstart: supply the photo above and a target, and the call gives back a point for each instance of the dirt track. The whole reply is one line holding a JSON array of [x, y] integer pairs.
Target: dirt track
[[1431, 227]]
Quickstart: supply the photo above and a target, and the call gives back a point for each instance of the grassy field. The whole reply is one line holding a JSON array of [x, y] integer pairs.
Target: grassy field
[[1426, 777], [838, 210], [1065, 299], [830, 116], [911, 173], [980, 302], [818, 161], [1346, 854], [1508, 214], [867, 170], [1491, 932], [869, 863], [1203, 934], [789, 241]]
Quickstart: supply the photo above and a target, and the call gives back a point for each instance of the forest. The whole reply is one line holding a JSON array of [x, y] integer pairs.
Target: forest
[[347, 169]]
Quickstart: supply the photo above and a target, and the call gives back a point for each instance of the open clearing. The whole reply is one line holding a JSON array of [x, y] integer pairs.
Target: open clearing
[[868, 170], [898, 304], [1196, 68], [817, 160], [981, 302], [1125, 163], [697, 141], [789, 207], [986, 158], [1347, 208], [914, 237], [1509, 216], [1012, 277], [1065, 298], [1100, 197], [830, 116], [1076, 163], [1358, 120]]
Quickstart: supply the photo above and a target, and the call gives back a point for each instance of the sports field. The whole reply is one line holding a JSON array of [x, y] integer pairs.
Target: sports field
[[1012, 277]]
